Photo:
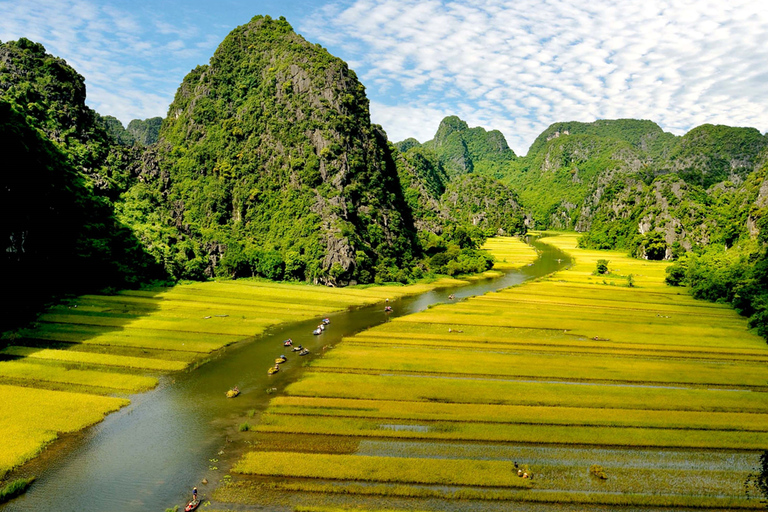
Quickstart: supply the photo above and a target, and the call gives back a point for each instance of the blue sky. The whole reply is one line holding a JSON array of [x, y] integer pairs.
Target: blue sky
[[513, 65]]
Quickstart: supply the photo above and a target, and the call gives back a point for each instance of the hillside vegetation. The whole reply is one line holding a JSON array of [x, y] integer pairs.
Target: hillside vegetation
[[267, 164]]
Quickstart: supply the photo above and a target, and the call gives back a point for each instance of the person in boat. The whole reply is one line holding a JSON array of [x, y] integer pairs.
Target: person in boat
[[194, 494]]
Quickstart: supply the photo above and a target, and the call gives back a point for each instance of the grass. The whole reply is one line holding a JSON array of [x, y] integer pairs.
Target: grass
[[381, 469], [663, 391], [15, 488]]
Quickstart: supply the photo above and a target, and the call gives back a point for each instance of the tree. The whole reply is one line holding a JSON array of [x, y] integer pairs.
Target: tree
[[601, 267], [655, 246]]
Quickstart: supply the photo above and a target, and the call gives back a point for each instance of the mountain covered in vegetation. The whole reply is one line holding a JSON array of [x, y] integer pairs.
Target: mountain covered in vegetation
[[271, 157], [267, 164], [701, 198], [449, 179]]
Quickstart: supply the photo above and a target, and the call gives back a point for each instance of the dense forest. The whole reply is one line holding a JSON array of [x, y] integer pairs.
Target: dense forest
[[267, 164]]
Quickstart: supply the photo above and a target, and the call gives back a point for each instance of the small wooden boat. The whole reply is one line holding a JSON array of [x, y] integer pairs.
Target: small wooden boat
[[298, 349], [304, 352], [273, 370], [317, 331], [232, 393], [288, 342], [326, 321], [280, 359], [192, 505]]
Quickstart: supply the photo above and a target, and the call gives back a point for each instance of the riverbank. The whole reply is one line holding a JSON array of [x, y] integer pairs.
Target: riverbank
[[89, 356], [577, 370]]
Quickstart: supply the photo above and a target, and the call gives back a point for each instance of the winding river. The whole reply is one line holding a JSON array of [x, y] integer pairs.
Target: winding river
[[149, 455]]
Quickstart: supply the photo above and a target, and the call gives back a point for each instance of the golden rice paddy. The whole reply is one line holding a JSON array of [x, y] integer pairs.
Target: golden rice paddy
[[668, 394], [99, 345]]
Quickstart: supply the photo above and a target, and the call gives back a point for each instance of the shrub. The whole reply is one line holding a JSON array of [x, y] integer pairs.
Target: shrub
[[597, 472], [15, 488], [601, 267]]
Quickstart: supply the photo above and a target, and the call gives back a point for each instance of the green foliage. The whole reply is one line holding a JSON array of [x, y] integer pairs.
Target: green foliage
[[483, 202], [145, 131], [710, 154], [601, 267], [676, 272], [116, 130], [460, 148], [638, 133], [738, 276], [654, 246], [15, 488], [275, 168], [56, 231]]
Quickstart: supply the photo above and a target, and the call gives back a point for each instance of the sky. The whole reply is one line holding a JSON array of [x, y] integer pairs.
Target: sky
[[513, 65]]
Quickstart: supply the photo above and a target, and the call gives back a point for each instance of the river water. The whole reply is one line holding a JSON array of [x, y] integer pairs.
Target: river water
[[149, 455]]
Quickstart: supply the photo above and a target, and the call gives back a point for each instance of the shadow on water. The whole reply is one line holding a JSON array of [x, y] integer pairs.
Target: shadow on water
[[148, 455]]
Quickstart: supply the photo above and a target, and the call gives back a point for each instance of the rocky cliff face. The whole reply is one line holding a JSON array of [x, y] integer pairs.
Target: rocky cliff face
[[623, 179], [270, 147]]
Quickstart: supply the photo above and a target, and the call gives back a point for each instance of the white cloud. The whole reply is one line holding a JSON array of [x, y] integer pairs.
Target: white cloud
[[132, 65], [521, 65]]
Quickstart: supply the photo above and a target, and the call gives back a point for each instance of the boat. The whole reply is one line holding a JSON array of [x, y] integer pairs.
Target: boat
[[317, 331], [232, 393], [192, 505], [298, 349], [388, 309], [288, 342], [273, 370], [326, 321], [304, 352], [281, 359]]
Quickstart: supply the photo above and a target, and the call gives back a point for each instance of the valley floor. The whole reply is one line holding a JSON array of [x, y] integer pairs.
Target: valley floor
[[83, 359], [606, 390]]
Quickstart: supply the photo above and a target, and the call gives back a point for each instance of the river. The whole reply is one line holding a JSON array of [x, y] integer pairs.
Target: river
[[149, 455]]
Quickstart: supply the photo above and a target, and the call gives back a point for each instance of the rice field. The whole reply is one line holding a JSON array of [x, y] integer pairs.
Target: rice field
[[667, 394], [33, 417], [509, 252], [82, 357]]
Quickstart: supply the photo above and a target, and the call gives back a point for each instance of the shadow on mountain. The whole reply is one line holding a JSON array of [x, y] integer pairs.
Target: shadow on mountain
[[59, 237]]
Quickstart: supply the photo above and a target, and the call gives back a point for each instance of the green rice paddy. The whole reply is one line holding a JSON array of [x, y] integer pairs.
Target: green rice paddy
[[668, 394]]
